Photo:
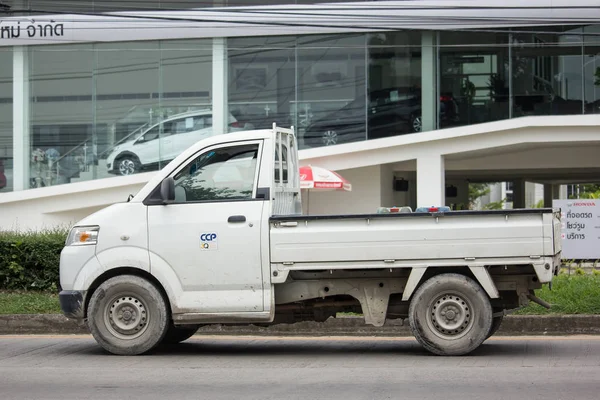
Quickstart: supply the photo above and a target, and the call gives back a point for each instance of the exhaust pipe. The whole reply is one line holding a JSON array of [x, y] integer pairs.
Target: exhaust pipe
[[539, 301]]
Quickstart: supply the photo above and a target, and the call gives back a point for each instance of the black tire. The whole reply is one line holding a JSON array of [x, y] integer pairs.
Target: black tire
[[127, 165], [450, 314], [496, 322], [128, 315], [416, 123], [178, 334]]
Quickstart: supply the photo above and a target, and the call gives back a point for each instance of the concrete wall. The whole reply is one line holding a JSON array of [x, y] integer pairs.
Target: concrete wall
[[62, 206]]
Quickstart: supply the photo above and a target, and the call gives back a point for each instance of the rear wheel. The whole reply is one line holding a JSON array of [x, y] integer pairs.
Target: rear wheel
[[128, 165], [416, 123], [128, 315], [450, 314], [329, 137], [496, 322]]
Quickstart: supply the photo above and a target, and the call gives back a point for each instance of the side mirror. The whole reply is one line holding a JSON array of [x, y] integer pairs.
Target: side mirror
[[167, 190]]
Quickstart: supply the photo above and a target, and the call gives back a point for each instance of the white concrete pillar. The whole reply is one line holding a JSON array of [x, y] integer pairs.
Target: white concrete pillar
[[219, 86], [21, 131], [429, 95], [431, 180]]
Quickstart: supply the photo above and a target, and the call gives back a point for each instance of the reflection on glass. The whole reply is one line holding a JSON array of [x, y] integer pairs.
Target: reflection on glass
[[262, 86], [127, 77], [591, 69], [331, 90], [394, 94], [152, 131], [222, 174], [474, 81], [546, 71], [6, 120], [61, 121]]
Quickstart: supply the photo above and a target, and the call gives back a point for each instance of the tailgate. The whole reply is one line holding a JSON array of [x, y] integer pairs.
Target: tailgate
[[557, 224]]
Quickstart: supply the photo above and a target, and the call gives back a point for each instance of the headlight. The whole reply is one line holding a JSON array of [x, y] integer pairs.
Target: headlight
[[82, 235]]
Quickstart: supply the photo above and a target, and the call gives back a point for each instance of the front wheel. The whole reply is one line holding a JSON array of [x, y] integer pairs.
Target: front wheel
[[450, 314], [128, 315]]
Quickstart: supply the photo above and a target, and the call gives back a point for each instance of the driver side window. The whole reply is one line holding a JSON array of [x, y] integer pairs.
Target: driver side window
[[222, 174], [151, 134]]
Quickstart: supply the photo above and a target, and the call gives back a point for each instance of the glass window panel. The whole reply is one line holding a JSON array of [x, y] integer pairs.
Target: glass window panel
[[394, 84], [6, 119], [547, 73], [474, 78], [61, 120], [591, 68], [262, 78], [186, 87], [127, 104], [331, 79]]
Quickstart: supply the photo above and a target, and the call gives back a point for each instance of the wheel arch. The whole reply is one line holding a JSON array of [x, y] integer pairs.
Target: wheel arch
[[126, 153], [111, 273], [480, 274]]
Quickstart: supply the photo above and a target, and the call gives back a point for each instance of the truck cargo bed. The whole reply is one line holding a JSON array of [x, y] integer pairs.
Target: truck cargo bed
[[413, 236]]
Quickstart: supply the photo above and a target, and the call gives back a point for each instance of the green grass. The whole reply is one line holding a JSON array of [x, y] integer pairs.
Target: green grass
[[28, 303], [574, 294]]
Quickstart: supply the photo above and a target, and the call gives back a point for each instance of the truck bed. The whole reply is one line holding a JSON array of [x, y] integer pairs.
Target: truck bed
[[456, 235]]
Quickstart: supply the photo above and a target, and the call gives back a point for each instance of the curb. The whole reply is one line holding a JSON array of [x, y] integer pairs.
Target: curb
[[513, 325]]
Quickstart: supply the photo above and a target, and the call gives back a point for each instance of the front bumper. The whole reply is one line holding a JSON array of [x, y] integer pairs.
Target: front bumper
[[72, 303]]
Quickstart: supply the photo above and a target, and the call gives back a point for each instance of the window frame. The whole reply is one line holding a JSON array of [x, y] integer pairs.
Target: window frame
[[155, 194]]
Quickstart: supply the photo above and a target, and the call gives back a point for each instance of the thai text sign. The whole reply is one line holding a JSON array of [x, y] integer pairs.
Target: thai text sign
[[580, 230]]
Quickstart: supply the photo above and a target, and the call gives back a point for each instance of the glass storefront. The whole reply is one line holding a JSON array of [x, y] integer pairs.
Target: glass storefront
[[6, 119], [100, 110]]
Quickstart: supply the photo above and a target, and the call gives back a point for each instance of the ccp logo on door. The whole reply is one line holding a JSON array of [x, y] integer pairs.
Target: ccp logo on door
[[208, 241]]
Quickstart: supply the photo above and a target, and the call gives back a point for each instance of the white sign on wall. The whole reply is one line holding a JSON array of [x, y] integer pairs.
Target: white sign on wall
[[580, 230]]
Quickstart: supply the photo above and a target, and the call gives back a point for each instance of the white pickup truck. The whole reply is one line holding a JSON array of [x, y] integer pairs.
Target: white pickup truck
[[218, 236]]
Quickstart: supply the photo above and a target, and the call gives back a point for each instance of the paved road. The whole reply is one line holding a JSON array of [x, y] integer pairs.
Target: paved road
[[59, 367]]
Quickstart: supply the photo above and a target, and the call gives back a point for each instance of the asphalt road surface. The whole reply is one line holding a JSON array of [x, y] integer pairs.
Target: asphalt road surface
[[74, 367]]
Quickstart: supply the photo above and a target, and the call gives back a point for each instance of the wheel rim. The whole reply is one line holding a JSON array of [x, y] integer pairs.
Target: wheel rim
[[126, 167], [416, 124], [127, 316], [450, 315], [330, 137]]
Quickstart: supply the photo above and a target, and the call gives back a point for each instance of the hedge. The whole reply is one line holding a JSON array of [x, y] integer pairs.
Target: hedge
[[30, 260]]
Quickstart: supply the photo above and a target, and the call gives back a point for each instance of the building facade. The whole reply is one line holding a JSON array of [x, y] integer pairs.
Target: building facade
[[108, 91]]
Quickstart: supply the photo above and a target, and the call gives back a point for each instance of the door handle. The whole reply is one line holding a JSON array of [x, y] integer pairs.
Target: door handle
[[237, 218]]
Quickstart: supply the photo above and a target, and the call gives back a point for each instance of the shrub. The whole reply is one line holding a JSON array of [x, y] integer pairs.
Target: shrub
[[31, 260]]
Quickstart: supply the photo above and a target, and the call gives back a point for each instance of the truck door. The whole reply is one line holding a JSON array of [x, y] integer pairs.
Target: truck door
[[211, 235]]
